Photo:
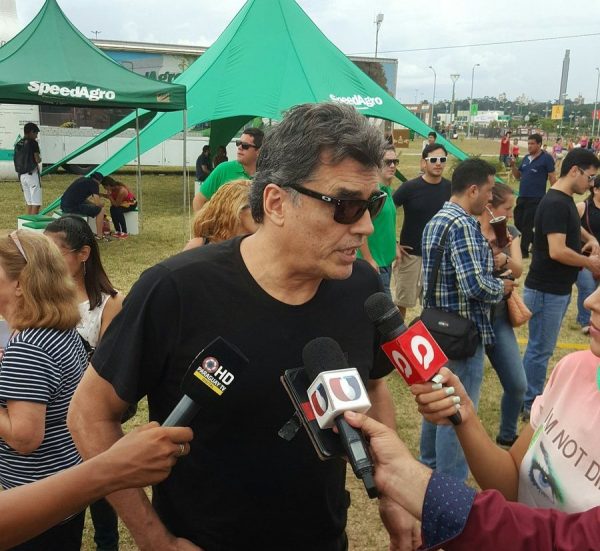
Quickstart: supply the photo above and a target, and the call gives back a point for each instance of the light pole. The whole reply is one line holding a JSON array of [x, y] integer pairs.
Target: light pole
[[378, 21], [96, 33], [594, 114], [454, 78], [433, 100], [471, 100]]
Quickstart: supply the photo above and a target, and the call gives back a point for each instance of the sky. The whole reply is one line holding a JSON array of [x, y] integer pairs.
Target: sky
[[530, 68]]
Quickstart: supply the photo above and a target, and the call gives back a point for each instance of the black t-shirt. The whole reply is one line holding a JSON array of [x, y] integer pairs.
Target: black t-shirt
[[421, 201], [203, 160], [243, 487], [556, 213], [78, 192]]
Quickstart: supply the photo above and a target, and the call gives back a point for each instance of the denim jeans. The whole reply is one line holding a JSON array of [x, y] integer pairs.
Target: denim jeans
[[385, 274], [440, 448], [586, 285], [505, 358], [548, 312]]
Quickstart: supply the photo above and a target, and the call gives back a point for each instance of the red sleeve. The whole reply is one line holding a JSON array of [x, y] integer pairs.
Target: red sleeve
[[495, 524]]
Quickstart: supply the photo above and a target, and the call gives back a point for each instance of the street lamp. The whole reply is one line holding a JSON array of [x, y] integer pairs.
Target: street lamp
[[471, 100], [378, 21], [594, 114], [454, 78], [433, 100]]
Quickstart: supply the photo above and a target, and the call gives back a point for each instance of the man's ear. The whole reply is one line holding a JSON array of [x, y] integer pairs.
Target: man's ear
[[274, 199]]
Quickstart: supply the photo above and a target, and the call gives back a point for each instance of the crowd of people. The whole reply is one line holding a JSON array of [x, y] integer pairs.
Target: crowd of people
[[278, 235]]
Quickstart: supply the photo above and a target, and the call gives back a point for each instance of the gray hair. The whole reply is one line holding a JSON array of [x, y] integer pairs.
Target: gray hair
[[293, 150]]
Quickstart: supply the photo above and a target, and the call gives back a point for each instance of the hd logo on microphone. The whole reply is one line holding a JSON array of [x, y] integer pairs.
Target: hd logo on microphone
[[334, 392], [214, 375]]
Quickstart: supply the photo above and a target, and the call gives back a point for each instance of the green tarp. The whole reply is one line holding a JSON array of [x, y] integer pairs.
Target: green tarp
[[51, 62], [269, 58]]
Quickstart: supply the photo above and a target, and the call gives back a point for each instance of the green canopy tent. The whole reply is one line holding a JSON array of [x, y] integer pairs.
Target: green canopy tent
[[51, 62], [269, 58]]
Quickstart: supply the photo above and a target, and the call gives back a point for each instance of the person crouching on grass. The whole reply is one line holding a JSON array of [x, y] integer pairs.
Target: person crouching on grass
[[122, 200]]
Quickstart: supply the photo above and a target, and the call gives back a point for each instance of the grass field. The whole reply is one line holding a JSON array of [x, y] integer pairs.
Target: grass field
[[164, 232]]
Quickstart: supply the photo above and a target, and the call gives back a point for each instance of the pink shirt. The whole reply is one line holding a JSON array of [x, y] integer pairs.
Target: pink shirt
[[561, 468]]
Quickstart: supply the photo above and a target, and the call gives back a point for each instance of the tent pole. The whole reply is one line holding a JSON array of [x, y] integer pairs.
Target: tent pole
[[138, 172], [186, 183]]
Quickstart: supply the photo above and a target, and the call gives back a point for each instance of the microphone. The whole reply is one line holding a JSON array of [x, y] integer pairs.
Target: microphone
[[210, 382], [413, 351], [336, 388]]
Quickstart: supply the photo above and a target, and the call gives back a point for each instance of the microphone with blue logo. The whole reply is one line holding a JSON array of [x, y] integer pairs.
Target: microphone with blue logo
[[336, 387]]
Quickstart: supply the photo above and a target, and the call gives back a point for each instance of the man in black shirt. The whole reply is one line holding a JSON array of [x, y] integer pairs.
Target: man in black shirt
[[83, 197], [203, 164], [27, 164], [296, 278], [557, 258], [421, 199]]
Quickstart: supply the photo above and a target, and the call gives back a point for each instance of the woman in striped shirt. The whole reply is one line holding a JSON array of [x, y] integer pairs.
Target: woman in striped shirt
[[42, 365]]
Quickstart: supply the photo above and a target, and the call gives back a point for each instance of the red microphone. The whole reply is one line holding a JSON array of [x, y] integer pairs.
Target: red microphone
[[413, 351]]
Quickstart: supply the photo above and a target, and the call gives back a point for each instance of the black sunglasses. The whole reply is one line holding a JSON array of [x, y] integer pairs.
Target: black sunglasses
[[348, 211], [391, 162], [245, 145]]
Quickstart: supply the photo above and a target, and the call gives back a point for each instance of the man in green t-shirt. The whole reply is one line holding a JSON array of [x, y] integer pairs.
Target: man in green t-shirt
[[380, 249], [244, 167]]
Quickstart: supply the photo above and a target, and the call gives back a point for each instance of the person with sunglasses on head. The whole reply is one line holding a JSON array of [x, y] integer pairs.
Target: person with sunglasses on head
[[99, 302], [42, 365], [587, 281], [558, 256], [420, 198], [380, 250], [466, 285], [243, 168], [297, 277]]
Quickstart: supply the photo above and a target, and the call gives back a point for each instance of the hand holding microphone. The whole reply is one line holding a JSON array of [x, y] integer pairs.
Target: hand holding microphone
[[412, 351], [337, 388], [435, 405]]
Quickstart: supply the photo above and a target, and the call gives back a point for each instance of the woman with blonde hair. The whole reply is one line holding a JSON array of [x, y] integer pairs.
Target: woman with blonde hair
[[42, 365], [226, 215]]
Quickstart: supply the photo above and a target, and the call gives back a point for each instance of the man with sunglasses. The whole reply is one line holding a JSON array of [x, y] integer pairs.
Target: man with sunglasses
[[556, 261], [421, 198], [296, 278], [244, 167], [380, 250]]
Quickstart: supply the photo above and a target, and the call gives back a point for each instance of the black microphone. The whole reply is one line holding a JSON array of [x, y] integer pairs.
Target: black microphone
[[210, 382], [324, 355], [425, 358]]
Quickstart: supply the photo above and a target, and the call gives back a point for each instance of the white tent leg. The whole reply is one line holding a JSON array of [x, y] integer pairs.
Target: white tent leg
[[138, 172]]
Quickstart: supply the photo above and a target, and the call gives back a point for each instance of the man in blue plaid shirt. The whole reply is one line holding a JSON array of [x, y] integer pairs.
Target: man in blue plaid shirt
[[465, 285]]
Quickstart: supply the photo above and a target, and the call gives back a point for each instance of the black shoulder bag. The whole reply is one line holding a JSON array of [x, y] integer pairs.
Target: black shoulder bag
[[457, 336]]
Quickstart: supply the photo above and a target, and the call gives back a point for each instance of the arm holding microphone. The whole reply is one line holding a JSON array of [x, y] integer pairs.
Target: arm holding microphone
[[472, 520], [144, 456], [492, 466]]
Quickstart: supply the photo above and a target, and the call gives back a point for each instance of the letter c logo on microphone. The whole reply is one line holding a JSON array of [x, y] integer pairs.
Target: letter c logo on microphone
[[402, 363], [416, 344], [318, 401], [346, 389]]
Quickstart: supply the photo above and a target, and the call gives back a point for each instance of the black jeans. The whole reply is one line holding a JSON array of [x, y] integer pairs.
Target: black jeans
[[524, 220], [62, 537], [106, 526], [118, 217]]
